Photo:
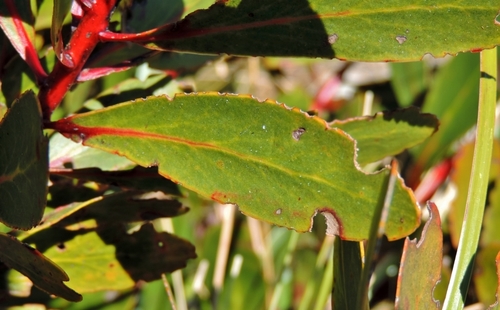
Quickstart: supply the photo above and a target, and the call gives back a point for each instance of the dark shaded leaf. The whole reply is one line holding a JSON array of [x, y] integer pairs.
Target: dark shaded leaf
[[23, 164], [139, 178], [352, 30], [39, 269]]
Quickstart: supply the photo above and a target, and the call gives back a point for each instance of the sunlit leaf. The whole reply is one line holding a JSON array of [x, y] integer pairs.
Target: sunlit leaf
[[420, 268], [62, 151], [352, 30], [277, 164], [42, 271], [23, 164], [113, 259], [388, 133]]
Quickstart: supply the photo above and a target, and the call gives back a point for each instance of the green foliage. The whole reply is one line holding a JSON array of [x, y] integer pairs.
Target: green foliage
[[102, 156]]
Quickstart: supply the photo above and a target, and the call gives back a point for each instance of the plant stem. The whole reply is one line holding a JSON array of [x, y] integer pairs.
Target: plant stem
[[82, 43], [478, 184]]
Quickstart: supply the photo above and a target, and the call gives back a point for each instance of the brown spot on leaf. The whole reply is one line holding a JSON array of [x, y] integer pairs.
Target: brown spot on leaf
[[296, 134], [333, 38]]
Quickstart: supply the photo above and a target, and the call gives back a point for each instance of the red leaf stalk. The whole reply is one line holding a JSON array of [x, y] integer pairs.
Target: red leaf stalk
[[83, 41]]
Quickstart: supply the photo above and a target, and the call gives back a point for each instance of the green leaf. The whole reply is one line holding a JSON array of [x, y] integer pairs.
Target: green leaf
[[388, 133], [23, 164], [350, 30], [62, 152], [347, 274], [42, 271], [16, 20], [420, 268], [453, 99], [409, 81], [113, 259], [278, 164], [61, 9]]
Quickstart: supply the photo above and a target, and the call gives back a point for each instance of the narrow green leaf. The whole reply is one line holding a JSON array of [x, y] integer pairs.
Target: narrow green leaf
[[61, 9], [113, 259], [46, 275], [16, 20], [347, 267], [420, 268], [278, 164], [388, 133], [23, 164], [353, 30]]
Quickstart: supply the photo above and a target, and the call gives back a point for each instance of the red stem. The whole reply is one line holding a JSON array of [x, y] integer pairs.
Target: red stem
[[76, 53]]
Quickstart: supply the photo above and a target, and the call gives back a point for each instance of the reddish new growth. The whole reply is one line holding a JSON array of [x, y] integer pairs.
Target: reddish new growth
[[84, 39]]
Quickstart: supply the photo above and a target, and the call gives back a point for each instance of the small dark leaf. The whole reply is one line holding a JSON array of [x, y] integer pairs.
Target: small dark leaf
[[39, 269]]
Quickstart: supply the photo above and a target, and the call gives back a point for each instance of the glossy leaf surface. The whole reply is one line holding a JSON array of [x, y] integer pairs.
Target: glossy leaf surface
[[420, 268], [277, 164], [23, 164], [42, 271], [388, 133], [353, 30]]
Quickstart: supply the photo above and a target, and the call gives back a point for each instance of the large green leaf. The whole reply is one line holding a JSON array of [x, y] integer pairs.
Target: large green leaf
[[277, 164], [354, 30], [42, 271], [388, 133], [23, 164], [420, 269]]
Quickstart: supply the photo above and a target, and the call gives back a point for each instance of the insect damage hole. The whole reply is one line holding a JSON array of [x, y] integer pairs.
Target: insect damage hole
[[296, 134]]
